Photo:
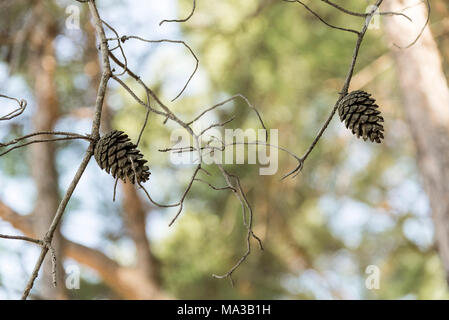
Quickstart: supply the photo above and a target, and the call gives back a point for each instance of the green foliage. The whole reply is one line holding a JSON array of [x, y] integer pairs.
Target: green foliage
[[202, 245], [343, 204], [291, 67]]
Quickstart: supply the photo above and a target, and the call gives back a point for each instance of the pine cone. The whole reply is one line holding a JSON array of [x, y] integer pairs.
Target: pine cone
[[359, 113], [114, 152]]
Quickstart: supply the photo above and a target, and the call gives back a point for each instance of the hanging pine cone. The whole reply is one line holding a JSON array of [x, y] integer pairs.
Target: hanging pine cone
[[361, 115], [114, 152]]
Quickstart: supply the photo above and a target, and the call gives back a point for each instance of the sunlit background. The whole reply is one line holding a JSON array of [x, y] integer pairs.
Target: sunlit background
[[354, 205]]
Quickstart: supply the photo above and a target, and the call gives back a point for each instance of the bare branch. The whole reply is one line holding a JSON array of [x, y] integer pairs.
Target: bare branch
[[95, 133], [35, 241], [119, 45], [215, 188], [40, 243], [16, 112], [182, 20], [364, 15], [181, 203], [160, 108], [68, 136], [145, 122], [117, 277], [215, 125], [197, 61], [247, 213], [422, 30], [226, 101], [127, 88], [321, 19], [343, 92]]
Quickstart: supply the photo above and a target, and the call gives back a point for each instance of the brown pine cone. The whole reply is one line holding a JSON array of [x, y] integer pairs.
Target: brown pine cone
[[116, 154]]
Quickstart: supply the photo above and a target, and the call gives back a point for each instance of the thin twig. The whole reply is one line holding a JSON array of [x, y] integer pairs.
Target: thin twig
[[422, 29], [95, 134], [42, 244], [343, 92], [197, 61], [119, 45], [68, 136], [115, 189], [36, 241], [364, 15], [181, 203], [16, 112], [321, 19], [247, 221], [182, 20], [145, 122]]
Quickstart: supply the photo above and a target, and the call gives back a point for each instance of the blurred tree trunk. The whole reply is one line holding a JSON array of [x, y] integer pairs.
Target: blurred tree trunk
[[426, 104], [126, 282], [41, 67], [135, 219]]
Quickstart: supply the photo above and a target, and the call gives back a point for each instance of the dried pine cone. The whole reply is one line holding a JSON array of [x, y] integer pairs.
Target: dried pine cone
[[359, 113], [114, 152]]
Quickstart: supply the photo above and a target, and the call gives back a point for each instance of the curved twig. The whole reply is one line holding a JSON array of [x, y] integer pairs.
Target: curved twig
[[17, 112], [119, 45], [197, 61], [343, 92], [364, 15], [422, 29], [95, 134], [181, 20], [321, 19]]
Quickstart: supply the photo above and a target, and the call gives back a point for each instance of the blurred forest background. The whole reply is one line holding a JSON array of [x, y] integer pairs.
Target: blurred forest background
[[354, 205]]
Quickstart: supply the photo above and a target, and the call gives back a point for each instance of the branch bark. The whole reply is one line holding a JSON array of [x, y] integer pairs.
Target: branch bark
[[95, 134], [41, 66], [126, 282], [134, 213]]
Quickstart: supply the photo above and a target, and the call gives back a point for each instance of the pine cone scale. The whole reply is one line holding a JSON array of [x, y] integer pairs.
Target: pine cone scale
[[117, 155]]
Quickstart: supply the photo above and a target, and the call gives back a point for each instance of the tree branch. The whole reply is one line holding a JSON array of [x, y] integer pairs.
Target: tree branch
[[16, 112], [125, 281], [106, 74], [343, 92]]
